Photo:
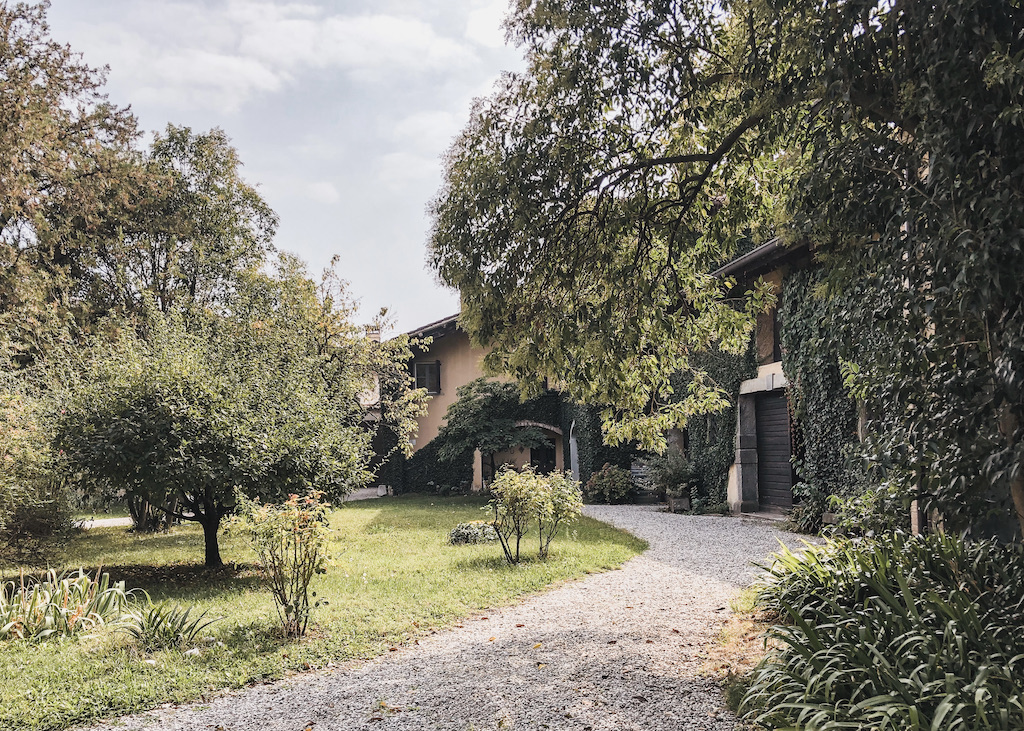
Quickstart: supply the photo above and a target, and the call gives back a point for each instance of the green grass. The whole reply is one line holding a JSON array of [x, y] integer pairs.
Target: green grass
[[392, 578]]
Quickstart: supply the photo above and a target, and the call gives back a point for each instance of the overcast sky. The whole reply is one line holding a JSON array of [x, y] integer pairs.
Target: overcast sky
[[340, 112]]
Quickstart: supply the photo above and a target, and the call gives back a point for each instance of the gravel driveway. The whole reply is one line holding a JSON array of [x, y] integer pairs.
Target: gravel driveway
[[617, 651]]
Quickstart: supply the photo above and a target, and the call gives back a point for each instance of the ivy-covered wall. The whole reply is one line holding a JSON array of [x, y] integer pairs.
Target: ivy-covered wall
[[584, 422], [825, 417], [712, 438], [425, 472]]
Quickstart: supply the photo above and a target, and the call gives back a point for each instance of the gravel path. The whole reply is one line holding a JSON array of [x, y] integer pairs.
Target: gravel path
[[618, 651]]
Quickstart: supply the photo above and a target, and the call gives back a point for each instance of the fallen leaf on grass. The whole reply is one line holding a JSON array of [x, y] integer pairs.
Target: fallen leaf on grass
[[542, 665], [537, 645], [492, 639]]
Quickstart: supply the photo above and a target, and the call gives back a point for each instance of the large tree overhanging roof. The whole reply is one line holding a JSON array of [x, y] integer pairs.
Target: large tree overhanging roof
[[434, 329], [766, 257]]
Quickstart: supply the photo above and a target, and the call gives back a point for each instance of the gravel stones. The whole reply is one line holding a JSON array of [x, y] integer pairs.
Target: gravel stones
[[618, 651]]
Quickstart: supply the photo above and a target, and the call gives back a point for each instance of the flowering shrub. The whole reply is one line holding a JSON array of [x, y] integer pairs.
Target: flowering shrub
[[477, 531], [291, 542], [611, 485]]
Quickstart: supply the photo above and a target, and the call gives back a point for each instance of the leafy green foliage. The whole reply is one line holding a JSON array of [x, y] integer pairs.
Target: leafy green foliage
[[268, 398], [590, 198], [900, 632], [611, 485], [475, 531], [561, 504], [484, 417], [711, 437], [35, 510], [520, 498], [824, 414], [62, 605], [291, 542], [672, 474], [165, 626], [425, 471]]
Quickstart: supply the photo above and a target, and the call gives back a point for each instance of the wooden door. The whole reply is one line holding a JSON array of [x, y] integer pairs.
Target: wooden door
[[774, 468]]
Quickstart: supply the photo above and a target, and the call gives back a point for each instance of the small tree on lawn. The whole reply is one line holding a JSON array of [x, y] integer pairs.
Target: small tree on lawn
[[262, 398], [484, 418]]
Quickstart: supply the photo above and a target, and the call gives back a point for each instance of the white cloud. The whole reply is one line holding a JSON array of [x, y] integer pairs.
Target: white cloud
[[428, 131], [219, 57], [323, 192], [402, 170], [483, 24]]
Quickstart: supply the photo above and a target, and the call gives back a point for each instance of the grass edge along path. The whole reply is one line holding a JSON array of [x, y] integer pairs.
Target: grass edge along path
[[392, 579]]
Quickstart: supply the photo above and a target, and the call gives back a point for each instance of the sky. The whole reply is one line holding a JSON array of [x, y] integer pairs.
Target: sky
[[340, 112]]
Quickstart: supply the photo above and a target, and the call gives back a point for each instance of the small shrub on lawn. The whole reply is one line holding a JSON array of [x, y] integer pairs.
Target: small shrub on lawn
[[477, 531], [165, 626], [561, 504], [291, 542], [64, 605], [521, 498], [896, 633], [611, 485]]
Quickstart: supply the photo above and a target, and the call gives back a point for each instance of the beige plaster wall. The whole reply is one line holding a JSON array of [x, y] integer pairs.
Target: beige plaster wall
[[460, 364]]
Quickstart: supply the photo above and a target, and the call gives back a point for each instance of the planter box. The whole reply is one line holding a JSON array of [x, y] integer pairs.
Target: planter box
[[678, 504]]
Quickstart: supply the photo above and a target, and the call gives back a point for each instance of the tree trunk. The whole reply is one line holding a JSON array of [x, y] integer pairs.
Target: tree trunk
[[211, 523]]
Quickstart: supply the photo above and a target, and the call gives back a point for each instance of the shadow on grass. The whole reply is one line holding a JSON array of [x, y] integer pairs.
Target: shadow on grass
[[194, 581]]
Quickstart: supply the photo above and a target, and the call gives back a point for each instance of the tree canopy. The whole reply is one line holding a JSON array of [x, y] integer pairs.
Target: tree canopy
[[589, 200]]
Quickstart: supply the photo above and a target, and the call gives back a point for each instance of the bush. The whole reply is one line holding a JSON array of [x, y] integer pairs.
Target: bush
[[426, 472], [611, 485], [291, 542], [64, 605], [165, 626], [561, 503], [515, 500], [672, 474], [35, 509], [900, 632], [477, 531], [521, 498]]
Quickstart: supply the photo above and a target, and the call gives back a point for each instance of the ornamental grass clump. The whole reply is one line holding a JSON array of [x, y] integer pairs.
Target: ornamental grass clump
[[63, 605], [896, 633], [165, 626], [520, 499], [290, 540]]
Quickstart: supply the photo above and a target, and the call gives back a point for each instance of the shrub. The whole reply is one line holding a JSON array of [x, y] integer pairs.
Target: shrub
[[291, 542], [672, 474], [521, 498], [165, 626], [900, 632], [426, 472], [561, 503], [611, 485], [515, 500], [477, 531], [64, 605], [35, 509]]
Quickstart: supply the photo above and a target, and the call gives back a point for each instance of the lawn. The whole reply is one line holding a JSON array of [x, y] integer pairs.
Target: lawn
[[392, 578]]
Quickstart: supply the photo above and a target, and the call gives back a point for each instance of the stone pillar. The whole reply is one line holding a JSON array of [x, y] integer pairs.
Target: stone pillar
[[478, 471], [743, 476]]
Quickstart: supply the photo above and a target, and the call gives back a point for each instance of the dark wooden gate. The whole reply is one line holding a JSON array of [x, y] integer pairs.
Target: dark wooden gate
[[774, 469]]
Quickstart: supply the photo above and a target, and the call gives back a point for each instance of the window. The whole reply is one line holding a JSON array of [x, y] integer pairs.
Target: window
[[428, 376]]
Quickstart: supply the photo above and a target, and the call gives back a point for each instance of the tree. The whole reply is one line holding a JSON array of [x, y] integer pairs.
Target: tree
[[209, 404], [588, 201], [61, 144], [484, 417]]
